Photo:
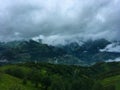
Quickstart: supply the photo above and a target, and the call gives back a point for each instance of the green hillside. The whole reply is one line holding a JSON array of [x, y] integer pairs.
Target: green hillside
[[43, 76], [8, 82], [113, 81]]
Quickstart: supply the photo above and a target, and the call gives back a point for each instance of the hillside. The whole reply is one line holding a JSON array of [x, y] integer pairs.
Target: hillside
[[43, 76]]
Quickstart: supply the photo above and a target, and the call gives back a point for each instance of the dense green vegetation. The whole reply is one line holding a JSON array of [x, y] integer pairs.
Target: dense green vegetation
[[45, 76]]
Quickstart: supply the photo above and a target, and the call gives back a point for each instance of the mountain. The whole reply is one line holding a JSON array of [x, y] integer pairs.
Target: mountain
[[91, 51], [88, 53]]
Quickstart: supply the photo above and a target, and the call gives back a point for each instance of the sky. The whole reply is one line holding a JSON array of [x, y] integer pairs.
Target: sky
[[59, 21]]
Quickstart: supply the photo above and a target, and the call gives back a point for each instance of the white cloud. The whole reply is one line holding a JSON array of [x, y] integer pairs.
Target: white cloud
[[115, 60], [114, 47], [62, 18]]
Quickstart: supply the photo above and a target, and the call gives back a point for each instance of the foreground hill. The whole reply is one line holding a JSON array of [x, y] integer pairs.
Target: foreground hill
[[43, 76]]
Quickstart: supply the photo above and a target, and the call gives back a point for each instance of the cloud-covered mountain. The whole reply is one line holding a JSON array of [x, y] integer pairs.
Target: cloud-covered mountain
[[56, 21], [71, 54]]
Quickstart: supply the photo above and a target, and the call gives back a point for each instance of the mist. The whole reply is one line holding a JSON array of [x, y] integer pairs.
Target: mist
[[58, 21]]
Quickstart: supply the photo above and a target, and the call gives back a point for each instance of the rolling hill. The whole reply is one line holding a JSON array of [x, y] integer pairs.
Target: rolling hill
[[43, 76]]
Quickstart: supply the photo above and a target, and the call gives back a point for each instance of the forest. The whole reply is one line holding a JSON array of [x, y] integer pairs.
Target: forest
[[46, 76]]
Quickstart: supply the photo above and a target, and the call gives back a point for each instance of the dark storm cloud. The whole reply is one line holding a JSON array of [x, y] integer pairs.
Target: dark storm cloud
[[59, 20]]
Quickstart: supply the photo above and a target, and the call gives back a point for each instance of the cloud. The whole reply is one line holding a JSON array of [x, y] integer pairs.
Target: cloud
[[115, 60], [114, 47], [59, 20]]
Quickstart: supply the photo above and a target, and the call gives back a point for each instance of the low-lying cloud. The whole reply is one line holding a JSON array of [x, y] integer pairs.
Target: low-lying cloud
[[114, 47], [114, 60], [59, 20]]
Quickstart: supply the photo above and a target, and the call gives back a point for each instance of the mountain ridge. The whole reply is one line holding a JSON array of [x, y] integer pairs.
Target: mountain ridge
[[72, 54]]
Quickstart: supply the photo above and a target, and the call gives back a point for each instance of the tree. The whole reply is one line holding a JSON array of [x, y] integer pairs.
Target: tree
[[76, 85], [16, 87], [98, 86], [35, 77], [16, 71], [24, 81], [46, 82], [111, 87], [57, 84]]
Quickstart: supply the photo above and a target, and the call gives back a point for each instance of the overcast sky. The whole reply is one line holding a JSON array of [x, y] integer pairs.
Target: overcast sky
[[59, 20]]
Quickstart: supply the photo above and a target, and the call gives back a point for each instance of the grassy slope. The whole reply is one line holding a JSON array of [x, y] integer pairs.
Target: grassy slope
[[113, 80], [8, 81]]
